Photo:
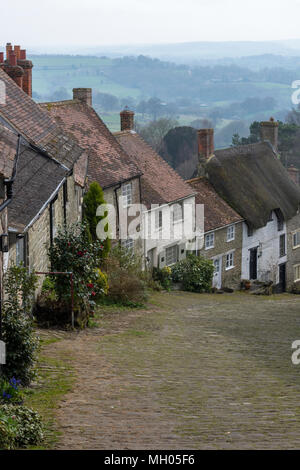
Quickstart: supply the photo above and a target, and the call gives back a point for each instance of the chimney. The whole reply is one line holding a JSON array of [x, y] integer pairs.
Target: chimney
[[205, 148], [294, 174], [83, 94], [269, 132], [17, 67], [127, 119], [1, 57]]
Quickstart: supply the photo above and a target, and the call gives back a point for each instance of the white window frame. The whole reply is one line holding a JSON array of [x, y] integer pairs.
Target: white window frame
[[230, 233], [177, 210], [296, 270], [174, 260], [229, 261], [297, 234], [158, 219], [127, 194], [209, 241], [20, 251]]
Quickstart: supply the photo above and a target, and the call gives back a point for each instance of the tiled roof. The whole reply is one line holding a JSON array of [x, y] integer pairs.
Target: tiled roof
[[160, 183], [36, 124], [217, 213], [108, 163], [8, 149], [38, 176]]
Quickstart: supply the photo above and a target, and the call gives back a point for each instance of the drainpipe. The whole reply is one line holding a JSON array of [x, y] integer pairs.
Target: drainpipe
[[118, 209]]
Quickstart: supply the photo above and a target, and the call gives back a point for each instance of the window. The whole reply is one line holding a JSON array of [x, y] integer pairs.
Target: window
[[128, 244], [296, 239], [209, 241], [297, 272], [230, 260], [250, 231], [230, 233], [177, 212], [20, 251], [217, 265], [282, 245], [171, 255], [280, 219], [127, 194], [158, 219]]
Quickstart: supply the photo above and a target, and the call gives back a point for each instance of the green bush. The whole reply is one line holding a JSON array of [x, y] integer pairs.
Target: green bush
[[163, 276], [126, 279], [72, 251], [195, 273], [20, 425], [91, 201], [17, 323]]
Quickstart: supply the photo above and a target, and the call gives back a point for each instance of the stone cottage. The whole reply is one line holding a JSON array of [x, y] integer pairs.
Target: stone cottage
[[51, 173], [252, 180], [108, 164], [223, 235]]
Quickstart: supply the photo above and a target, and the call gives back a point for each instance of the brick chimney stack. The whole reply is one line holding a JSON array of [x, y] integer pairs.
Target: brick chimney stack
[[83, 94], [269, 132], [205, 148], [294, 174], [18, 67], [127, 119]]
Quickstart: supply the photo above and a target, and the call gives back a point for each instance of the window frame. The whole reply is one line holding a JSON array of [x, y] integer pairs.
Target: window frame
[[173, 247], [282, 252], [296, 266], [230, 229], [229, 256], [210, 245], [127, 195], [296, 233]]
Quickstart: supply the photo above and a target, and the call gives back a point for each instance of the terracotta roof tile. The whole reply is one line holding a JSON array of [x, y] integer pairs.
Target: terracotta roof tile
[[160, 182], [36, 124], [108, 163], [217, 213]]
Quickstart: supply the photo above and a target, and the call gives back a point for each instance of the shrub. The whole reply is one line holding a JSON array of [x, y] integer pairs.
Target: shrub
[[91, 201], [195, 273], [127, 281], [17, 323], [8, 432], [72, 251], [163, 276], [22, 424]]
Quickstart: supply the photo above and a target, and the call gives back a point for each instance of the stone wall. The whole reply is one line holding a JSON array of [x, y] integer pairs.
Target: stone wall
[[231, 278]]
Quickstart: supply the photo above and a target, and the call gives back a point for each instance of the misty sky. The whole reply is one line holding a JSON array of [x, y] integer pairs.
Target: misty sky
[[96, 22]]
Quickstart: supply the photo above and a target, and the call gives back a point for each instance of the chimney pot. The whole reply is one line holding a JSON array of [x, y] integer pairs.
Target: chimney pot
[[83, 94], [23, 54], [269, 132], [127, 119], [12, 58], [17, 51]]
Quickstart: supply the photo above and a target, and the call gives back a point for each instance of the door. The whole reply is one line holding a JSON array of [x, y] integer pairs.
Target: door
[[217, 277], [282, 277], [253, 264]]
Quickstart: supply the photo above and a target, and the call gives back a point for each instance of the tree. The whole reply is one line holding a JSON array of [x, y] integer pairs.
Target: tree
[[155, 131], [91, 201]]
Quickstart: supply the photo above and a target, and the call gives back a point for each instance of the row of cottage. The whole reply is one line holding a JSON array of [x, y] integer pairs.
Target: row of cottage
[[51, 152]]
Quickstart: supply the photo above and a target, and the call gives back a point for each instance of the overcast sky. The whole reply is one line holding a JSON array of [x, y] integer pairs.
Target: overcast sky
[[103, 22]]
